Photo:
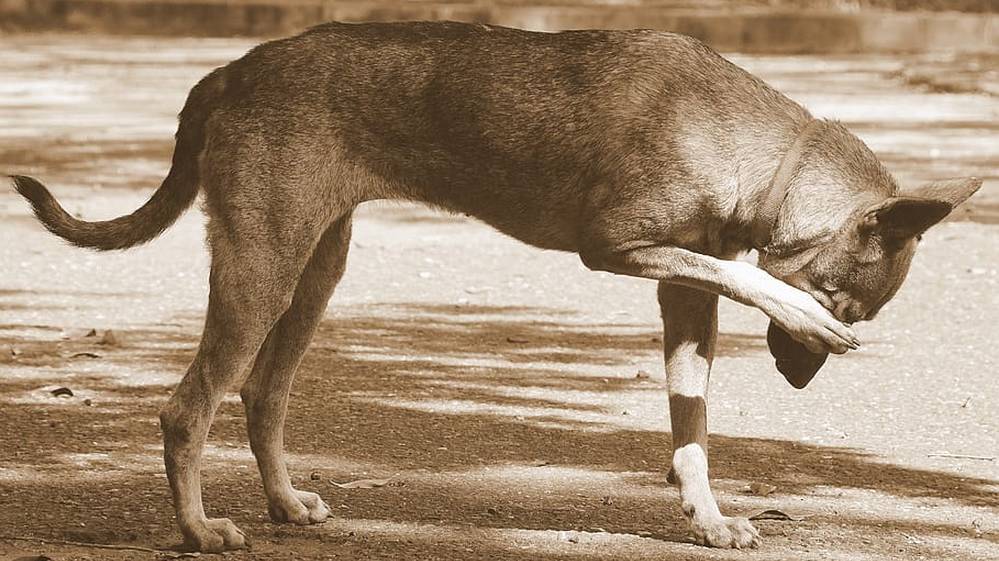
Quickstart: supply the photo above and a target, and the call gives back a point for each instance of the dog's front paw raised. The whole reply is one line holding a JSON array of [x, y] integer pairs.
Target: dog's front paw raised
[[726, 532], [214, 535], [809, 323], [299, 507]]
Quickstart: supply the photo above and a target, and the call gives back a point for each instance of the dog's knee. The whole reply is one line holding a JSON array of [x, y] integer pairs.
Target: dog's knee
[[186, 415], [248, 395]]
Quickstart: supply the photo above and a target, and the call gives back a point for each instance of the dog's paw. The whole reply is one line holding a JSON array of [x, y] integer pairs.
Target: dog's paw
[[726, 532], [215, 535], [806, 321], [301, 507]]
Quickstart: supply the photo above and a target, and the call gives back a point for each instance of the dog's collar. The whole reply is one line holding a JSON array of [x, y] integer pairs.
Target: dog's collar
[[780, 184]]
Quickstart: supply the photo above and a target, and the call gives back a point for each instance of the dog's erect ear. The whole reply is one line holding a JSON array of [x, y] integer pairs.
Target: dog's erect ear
[[912, 213], [900, 218], [950, 191]]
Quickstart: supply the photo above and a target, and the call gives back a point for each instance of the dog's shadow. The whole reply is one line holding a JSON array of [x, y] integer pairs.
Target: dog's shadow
[[501, 426]]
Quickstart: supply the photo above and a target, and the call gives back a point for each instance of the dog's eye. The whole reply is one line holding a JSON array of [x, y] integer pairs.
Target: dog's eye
[[828, 288]]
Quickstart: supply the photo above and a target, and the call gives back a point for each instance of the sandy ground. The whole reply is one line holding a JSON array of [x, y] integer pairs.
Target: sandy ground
[[497, 385]]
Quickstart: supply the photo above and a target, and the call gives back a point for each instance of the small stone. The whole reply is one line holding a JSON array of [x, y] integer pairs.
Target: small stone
[[760, 489], [109, 338]]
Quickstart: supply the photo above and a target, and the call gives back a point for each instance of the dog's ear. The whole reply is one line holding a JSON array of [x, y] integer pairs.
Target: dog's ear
[[909, 215], [950, 191], [900, 218]]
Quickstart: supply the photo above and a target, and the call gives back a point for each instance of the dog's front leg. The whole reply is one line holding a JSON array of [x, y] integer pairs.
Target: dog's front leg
[[795, 310], [690, 326]]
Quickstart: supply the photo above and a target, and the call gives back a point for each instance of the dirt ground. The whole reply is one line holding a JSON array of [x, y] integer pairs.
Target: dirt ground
[[502, 389]]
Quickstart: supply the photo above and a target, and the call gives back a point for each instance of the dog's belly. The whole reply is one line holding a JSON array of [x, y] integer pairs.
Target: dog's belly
[[539, 227], [543, 216]]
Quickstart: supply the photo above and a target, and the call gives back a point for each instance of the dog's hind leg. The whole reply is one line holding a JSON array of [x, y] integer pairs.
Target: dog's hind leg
[[265, 392], [244, 302], [690, 327], [258, 256]]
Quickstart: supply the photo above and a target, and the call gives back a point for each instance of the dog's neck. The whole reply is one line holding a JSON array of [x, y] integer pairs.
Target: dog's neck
[[772, 199], [822, 176]]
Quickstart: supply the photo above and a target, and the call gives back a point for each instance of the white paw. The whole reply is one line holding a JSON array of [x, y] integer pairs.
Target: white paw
[[726, 532], [809, 323]]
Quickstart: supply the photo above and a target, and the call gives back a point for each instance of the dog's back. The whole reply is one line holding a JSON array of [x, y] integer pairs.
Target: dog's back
[[520, 129]]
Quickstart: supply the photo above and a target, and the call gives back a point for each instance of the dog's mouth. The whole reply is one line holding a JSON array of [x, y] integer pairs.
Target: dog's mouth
[[836, 301]]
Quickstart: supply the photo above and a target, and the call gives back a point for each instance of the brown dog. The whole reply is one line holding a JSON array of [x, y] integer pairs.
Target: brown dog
[[645, 152]]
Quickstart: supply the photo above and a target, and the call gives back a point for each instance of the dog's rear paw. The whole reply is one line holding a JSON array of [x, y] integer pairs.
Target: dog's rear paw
[[302, 507], [215, 535], [726, 532]]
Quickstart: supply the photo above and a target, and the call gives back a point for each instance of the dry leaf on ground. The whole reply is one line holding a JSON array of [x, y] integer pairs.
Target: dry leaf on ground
[[774, 514], [362, 483]]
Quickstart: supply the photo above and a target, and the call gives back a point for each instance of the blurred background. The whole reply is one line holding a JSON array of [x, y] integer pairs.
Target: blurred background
[[748, 26]]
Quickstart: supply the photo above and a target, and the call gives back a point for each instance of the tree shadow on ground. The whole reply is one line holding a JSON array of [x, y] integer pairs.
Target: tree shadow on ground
[[496, 419], [63, 157]]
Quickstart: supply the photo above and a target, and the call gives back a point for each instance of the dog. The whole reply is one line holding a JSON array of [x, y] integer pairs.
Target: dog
[[646, 153]]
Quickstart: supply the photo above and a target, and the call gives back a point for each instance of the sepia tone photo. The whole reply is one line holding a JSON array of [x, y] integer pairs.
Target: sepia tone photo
[[448, 280]]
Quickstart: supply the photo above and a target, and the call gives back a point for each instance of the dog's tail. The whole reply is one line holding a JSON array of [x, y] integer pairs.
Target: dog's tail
[[173, 197]]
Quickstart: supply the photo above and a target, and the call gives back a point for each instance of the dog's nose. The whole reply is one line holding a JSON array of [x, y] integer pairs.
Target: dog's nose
[[854, 314], [849, 312], [842, 311]]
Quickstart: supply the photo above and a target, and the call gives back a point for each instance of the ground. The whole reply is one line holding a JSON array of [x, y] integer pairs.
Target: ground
[[515, 400]]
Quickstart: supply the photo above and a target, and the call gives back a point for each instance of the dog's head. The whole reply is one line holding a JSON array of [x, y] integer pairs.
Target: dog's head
[[860, 267], [857, 269]]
